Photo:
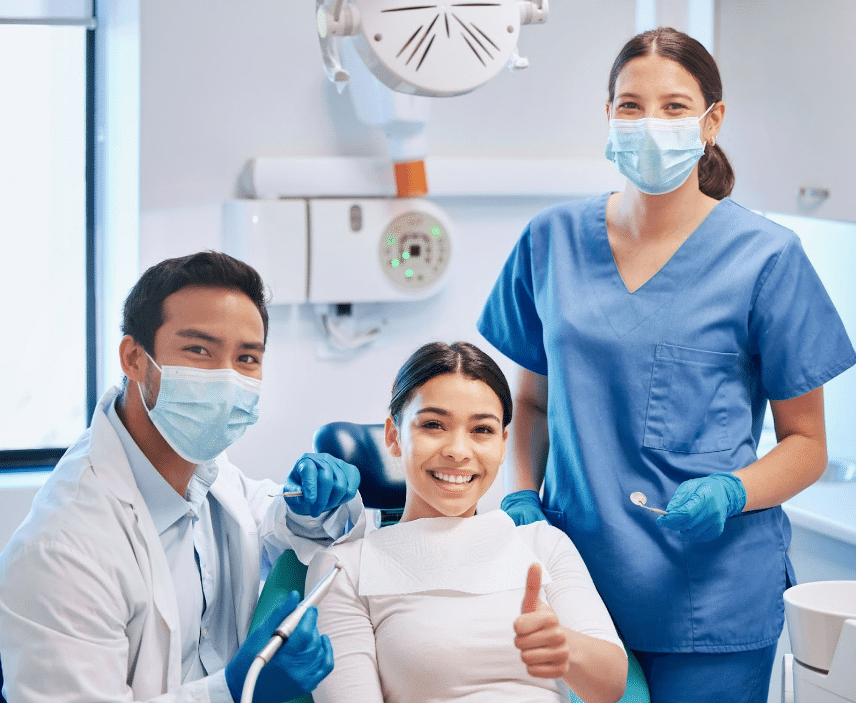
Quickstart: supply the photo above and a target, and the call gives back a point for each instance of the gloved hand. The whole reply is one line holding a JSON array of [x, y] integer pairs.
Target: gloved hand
[[523, 507], [326, 482], [298, 665], [700, 506]]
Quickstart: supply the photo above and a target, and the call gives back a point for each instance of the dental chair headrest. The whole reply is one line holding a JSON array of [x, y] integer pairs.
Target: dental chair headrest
[[382, 484]]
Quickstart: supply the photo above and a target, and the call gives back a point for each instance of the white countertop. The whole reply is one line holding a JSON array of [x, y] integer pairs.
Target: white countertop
[[827, 508]]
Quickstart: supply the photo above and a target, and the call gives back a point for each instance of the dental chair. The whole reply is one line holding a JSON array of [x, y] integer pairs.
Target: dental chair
[[382, 488], [382, 491]]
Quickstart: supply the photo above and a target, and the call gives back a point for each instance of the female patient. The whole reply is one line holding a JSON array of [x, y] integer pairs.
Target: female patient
[[444, 605]]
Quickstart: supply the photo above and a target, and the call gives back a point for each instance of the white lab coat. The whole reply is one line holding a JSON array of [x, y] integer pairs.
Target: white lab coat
[[96, 618]]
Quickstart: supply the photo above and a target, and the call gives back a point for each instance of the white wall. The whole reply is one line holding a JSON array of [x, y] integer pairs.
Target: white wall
[[226, 81], [787, 68]]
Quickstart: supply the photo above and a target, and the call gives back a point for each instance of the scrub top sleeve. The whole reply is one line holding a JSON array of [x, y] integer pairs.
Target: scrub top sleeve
[[797, 333], [510, 319]]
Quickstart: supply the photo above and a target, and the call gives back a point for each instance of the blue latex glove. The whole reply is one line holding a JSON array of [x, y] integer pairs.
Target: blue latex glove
[[523, 507], [700, 506], [326, 482], [298, 665]]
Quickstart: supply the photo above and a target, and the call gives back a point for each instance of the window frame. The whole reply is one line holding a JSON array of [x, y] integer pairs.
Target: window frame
[[47, 457]]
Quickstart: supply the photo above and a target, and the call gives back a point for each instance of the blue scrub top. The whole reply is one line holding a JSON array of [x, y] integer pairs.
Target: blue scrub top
[[652, 388]]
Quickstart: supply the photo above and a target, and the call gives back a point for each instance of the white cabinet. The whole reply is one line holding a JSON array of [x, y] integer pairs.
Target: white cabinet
[[787, 68]]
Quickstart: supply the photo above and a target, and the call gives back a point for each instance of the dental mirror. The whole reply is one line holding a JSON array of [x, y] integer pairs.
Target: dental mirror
[[638, 498]]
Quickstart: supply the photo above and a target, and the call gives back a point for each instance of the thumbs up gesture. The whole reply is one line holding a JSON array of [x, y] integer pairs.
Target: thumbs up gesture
[[542, 641]]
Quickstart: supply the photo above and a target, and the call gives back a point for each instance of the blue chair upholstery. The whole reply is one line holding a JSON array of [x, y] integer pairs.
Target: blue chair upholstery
[[382, 485]]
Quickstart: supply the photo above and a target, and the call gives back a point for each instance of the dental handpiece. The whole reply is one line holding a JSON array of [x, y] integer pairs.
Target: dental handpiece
[[282, 633], [286, 627]]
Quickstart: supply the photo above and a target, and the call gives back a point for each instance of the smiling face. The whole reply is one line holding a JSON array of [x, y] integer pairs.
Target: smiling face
[[207, 328], [655, 86], [452, 443]]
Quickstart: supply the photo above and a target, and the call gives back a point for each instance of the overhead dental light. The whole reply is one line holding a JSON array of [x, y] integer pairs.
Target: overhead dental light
[[435, 49], [396, 54]]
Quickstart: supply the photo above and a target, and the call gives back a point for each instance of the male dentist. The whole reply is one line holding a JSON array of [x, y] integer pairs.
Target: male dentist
[[135, 575]]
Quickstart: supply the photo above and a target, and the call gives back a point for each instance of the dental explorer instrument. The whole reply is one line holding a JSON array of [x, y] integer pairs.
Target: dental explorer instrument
[[639, 498], [287, 494], [282, 633]]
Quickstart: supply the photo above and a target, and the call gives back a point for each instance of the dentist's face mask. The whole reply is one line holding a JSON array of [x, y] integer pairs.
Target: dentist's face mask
[[656, 155], [201, 412]]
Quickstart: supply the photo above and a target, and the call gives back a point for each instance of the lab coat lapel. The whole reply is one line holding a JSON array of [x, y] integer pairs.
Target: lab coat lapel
[[110, 464], [242, 534]]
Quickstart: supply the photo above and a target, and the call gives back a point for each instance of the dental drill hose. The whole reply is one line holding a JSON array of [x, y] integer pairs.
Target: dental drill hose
[[282, 633]]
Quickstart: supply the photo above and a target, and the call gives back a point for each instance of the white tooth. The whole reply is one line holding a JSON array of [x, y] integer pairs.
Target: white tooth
[[448, 478]]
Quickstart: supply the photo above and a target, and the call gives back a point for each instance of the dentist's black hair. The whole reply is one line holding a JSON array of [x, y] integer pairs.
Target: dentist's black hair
[[715, 175], [437, 358], [143, 312]]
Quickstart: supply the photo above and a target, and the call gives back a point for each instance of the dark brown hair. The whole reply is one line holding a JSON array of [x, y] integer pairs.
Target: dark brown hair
[[435, 359], [715, 175], [143, 313]]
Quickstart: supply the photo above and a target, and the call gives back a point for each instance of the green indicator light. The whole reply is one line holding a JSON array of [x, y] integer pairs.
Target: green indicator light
[[436, 231], [408, 273], [394, 263], [405, 255], [390, 240]]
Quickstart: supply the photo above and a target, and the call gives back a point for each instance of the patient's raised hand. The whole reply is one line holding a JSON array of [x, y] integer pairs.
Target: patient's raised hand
[[542, 641]]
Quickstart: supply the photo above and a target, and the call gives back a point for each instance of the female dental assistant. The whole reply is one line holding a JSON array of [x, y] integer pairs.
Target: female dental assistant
[[653, 325]]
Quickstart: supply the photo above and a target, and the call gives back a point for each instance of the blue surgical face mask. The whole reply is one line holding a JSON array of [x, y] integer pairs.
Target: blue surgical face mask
[[656, 155], [201, 412]]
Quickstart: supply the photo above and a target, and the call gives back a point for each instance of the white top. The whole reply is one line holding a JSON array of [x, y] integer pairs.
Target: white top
[[452, 638]]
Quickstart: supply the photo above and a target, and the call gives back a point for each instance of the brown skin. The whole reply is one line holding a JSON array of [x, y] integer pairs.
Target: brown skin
[[594, 669], [452, 426], [207, 328]]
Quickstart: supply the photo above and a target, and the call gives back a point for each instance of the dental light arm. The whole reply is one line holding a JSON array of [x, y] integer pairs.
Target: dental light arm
[[282, 633]]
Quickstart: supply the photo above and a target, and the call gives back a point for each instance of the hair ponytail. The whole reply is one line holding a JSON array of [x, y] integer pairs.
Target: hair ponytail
[[715, 175]]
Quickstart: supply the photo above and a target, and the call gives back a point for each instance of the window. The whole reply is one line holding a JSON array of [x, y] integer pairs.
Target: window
[[46, 199]]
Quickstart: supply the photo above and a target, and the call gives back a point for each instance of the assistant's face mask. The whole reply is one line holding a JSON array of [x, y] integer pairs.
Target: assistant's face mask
[[656, 155], [201, 412]]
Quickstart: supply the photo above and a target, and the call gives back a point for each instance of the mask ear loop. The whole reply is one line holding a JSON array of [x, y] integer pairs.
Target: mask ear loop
[[712, 141], [140, 388]]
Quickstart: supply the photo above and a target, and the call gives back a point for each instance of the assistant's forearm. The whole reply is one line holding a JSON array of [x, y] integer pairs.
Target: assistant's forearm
[[529, 447], [792, 465], [598, 669]]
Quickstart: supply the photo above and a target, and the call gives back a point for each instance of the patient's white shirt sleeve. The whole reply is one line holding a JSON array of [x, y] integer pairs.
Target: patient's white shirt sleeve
[[447, 644]]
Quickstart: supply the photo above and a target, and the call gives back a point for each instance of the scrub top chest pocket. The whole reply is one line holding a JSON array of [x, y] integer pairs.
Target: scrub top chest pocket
[[688, 400]]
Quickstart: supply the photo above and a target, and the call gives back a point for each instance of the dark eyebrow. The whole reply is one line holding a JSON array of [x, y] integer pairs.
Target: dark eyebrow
[[436, 411], [446, 413], [484, 416], [683, 96], [192, 333]]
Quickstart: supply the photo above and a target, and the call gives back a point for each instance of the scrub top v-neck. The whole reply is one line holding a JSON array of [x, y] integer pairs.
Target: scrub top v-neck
[[625, 309], [653, 387]]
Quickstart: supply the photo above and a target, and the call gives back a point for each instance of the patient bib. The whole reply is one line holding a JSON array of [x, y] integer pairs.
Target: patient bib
[[480, 554]]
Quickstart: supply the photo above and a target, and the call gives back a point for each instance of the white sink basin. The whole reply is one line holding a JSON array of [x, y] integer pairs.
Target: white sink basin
[[816, 612]]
